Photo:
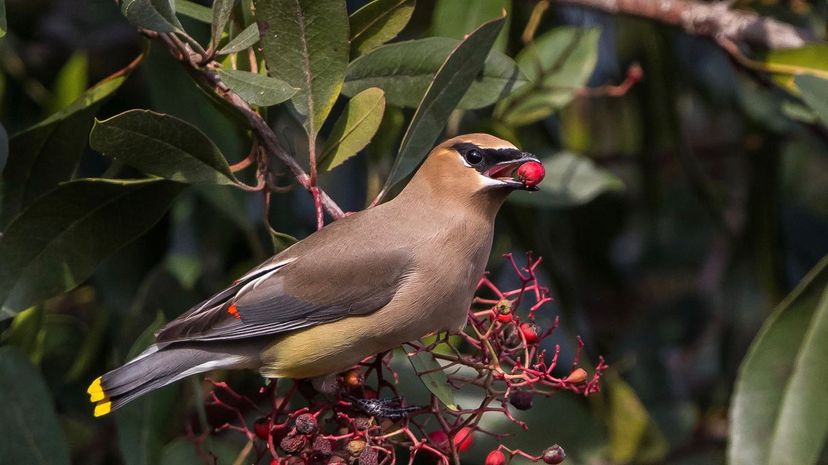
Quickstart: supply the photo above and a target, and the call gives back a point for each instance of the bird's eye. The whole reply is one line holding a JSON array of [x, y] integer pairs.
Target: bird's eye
[[474, 156]]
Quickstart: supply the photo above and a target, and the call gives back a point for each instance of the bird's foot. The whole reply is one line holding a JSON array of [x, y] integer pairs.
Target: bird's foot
[[391, 408]]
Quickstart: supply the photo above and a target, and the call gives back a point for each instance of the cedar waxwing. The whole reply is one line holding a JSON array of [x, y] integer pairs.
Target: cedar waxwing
[[364, 284]]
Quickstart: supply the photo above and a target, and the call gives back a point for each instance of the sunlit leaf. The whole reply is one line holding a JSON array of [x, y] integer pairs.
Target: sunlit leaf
[[70, 83], [429, 372], [48, 153], [257, 89], [194, 10], [155, 15], [3, 26], [447, 88], [785, 64], [815, 93], [162, 145], [570, 180], [456, 18], [778, 413], [304, 44], [354, 129], [246, 38], [30, 430], [558, 63], [378, 22], [57, 242], [404, 70], [632, 433], [26, 333]]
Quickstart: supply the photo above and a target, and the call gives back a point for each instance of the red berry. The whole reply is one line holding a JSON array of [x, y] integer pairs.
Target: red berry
[[531, 173], [261, 427], [274, 462], [530, 332], [495, 457], [463, 439], [554, 455], [439, 438]]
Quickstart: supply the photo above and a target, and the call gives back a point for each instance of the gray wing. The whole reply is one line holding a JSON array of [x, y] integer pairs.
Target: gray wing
[[294, 293]]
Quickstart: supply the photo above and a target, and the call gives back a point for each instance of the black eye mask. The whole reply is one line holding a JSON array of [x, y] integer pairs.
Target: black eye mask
[[483, 159]]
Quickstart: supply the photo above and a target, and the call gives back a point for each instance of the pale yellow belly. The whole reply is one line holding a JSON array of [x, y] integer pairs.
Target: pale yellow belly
[[338, 346]]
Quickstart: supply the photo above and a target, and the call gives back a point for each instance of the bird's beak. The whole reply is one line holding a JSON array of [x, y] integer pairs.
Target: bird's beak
[[506, 172]]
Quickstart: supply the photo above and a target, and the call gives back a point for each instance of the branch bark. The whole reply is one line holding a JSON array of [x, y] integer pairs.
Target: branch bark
[[716, 19], [203, 70]]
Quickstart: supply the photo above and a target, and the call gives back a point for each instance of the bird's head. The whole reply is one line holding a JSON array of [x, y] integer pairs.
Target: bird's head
[[479, 164]]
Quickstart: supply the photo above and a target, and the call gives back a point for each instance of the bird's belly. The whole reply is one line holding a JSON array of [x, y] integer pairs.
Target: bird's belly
[[337, 346]]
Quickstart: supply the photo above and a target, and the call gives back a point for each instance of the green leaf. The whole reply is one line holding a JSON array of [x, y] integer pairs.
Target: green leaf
[[558, 64], [4, 147], [48, 153], [70, 83], [815, 93], [632, 432], [570, 180], [26, 332], [447, 88], [142, 423], [246, 38], [221, 14], [29, 429], [155, 15], [162, 145], [3, 26], [456, 18], [785, 64], [257, 89], [57, 242], [194, 10], [378, 22], [182, 451], [354, 129], [778, 413], [404, 70], [433, 378], [305, 45]]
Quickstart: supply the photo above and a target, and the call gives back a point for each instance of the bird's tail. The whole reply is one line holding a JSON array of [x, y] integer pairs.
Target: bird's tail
[[157, 367]]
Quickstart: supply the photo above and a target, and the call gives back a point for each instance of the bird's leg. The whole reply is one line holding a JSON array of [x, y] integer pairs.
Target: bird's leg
[[326, 385]]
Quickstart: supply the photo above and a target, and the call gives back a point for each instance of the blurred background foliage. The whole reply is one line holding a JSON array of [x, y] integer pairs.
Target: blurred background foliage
[[676, 216]]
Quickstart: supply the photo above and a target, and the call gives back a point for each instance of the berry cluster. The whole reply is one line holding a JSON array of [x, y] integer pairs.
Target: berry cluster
[[501, 355]]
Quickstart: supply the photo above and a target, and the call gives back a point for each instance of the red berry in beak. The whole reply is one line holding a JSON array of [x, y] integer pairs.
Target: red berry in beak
[[531, 173]]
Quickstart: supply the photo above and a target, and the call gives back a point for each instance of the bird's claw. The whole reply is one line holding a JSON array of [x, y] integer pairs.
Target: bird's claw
[[391, 408]]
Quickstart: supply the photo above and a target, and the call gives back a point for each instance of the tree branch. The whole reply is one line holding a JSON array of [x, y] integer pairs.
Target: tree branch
[[204, 72], [714, 19]]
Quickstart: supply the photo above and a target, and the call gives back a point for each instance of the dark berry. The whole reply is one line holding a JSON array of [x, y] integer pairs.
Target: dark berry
[[306, 423], [521, 400], [292, 443], [554, 455]]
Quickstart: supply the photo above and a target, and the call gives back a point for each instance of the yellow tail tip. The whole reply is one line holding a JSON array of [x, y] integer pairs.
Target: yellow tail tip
[[95, 391], [95, 387], [102, 408]]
